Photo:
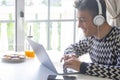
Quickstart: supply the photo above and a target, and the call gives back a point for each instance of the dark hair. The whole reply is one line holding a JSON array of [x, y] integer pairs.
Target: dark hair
[[91, 5]]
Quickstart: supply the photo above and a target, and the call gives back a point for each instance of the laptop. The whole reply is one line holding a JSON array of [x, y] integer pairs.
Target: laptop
[[45, 60]]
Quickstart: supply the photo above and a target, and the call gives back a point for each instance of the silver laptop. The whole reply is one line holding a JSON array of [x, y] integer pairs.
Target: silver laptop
[[45, 59]]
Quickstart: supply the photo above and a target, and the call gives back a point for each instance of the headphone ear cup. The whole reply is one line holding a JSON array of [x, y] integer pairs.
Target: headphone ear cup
[[98, 20]]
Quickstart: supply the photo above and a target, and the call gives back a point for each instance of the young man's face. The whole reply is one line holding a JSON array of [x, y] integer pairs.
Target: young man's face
[[85, 22]]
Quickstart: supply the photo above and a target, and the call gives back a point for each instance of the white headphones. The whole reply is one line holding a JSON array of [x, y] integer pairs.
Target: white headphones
[[99, 19]]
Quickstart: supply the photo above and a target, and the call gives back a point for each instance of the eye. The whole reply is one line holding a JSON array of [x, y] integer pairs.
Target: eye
[[81, 19]]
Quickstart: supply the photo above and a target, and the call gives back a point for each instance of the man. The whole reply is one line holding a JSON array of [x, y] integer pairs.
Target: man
[[102, 42]]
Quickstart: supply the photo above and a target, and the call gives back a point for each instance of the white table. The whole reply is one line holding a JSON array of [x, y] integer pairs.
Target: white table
[[31, 69]]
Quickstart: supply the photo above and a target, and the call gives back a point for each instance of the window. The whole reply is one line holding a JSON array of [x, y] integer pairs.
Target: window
[[51, 22], [11, 27], [7, 24]]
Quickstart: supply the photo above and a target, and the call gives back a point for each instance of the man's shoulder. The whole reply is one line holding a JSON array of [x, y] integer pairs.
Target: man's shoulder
[[88, 39], [116, 28], [116, 32]]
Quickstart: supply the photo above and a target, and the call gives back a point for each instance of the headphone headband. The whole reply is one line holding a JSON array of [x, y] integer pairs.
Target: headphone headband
[[99, 7], [99, 19]]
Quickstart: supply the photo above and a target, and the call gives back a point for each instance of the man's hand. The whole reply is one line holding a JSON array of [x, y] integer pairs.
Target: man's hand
[[73, 63], [68, 56]]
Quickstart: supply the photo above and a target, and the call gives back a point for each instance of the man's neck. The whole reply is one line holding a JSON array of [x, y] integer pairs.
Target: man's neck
[[102, 31]]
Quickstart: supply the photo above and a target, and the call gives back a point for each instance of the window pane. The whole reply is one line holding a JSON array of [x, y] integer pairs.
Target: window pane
[[50, 22], [7, 12], [7, 2], [61, 9], [61, 35], [7, 24], [35, 10], [38, 31]]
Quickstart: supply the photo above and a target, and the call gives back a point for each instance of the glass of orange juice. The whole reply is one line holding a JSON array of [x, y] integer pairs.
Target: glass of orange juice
[[30, 53]]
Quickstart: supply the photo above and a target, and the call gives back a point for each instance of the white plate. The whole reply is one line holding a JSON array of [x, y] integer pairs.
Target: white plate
[[13, 58]]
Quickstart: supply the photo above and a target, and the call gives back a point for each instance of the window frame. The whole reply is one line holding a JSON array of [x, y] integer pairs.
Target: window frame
[[19, 25]]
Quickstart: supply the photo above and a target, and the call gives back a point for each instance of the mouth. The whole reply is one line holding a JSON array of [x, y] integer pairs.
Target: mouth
[[84, 30]]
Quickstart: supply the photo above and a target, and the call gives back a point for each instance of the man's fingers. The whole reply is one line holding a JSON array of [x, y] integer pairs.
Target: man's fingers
[[74, 56], [67, 65], [62, 59], [67, 56], [68, 62], [73, 63]]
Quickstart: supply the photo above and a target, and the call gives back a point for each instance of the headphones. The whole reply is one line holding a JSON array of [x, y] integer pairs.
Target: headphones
[[99, 19]]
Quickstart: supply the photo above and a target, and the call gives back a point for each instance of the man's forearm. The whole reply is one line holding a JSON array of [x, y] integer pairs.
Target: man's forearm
[[104, 71]]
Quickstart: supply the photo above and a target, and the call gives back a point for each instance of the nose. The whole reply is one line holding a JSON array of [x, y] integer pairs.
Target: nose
[[79, 24]]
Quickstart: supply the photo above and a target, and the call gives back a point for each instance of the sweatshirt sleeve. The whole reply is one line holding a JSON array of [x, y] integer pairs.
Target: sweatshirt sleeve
[[105, 71], [79, 48]]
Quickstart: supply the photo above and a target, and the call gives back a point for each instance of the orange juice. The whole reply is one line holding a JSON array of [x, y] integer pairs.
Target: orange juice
[[30, 54]]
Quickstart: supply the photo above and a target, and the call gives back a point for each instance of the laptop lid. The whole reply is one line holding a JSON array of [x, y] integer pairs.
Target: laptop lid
[[42, 55], [46, 61]]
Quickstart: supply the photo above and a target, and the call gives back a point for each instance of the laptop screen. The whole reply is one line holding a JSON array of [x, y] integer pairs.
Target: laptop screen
[[42, 55]]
